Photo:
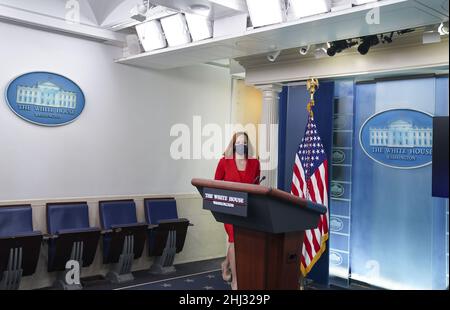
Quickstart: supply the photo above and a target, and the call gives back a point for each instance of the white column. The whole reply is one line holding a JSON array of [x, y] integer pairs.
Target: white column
[[268, 133]]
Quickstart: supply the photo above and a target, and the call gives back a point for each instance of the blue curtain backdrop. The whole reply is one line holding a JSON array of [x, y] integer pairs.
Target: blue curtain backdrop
[[398, 230], [293, 119], [391, 232]]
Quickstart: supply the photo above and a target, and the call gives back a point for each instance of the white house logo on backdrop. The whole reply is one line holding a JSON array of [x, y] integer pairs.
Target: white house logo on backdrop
[[336, 258], [339, 122], [45, 98], [399, 138], [337, 190], [401, 134], [338, 156], [336, 224]]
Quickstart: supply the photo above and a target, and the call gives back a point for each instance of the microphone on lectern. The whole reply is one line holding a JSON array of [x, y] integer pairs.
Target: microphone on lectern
[[258, 180]]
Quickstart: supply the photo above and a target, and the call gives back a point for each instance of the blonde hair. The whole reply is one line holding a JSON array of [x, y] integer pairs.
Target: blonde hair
[[229, 151]]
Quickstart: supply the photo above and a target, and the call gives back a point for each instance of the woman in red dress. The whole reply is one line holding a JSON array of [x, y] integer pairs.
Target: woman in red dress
[[236, 166]]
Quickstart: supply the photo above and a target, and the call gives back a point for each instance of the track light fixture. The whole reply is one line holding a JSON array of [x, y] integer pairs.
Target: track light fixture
[[304, 50], [400, 32], [443, 28], [339, 46], [387, 38], [273, 56], [321, 50], [139, 11], [367, 43], [431, 35]]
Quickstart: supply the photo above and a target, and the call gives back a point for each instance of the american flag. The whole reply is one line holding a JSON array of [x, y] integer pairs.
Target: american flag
[[310, 181]]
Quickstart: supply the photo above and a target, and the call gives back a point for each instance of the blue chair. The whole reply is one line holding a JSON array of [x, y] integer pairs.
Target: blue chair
[[19, 245], [71, 238], [167, 234], [123, 238]]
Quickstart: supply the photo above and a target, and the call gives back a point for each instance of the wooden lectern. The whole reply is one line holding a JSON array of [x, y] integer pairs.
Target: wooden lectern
[[269, 226]]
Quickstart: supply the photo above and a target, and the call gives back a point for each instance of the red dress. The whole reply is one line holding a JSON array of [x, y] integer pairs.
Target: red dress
[[228, 171]]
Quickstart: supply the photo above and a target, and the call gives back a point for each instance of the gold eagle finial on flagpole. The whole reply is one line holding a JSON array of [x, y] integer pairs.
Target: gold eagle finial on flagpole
[[311, 85]]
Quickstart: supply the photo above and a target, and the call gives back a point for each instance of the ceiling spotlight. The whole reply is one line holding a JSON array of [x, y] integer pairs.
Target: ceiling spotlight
[[139, 11], [431, 34], [367, 43], [443, 29], [431, 37], [321, 50], [151, 35], [176, 30], [400, 32], [304, 50], [387, 38], [271, 12], [273, 56], [199, 26], [339, 46]]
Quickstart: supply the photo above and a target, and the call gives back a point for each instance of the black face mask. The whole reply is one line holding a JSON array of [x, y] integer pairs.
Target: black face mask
[[241, 149]]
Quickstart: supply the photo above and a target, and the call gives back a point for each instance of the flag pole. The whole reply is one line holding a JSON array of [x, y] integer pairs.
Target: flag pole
[[312, 85]]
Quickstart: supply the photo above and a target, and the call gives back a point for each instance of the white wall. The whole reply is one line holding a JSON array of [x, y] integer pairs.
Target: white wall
[[117, 148], [120, 144]]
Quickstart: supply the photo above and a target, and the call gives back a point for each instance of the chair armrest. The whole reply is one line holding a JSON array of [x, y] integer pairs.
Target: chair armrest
[[78, 230], [23, 234], [118, 228], [126, 225], [47, 237], [179, 220]]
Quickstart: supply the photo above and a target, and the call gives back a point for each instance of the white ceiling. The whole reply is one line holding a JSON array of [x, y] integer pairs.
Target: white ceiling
[[118, 12], [329, 27], [219, 8], [103, 8], [98, 16], [50, 8], [51, 15]]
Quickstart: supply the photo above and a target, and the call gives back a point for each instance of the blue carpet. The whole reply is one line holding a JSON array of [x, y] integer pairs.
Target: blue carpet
[[210, 280]]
